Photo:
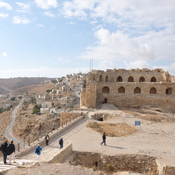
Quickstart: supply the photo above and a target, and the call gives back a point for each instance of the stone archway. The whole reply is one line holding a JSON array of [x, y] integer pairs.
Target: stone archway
[[119, 79], [153, 90], [121, 90], [141, 79], [137, 90], [105, 89], [130, 79], [153, 79]]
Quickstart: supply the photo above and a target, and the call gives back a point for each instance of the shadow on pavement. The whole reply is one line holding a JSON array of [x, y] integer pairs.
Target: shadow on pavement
[[114, 147], [53, 146]]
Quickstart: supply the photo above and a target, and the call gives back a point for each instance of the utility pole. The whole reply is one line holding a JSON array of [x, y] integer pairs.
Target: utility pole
[[91, 64]]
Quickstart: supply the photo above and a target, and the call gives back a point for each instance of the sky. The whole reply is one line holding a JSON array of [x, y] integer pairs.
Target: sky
[[53, 38]]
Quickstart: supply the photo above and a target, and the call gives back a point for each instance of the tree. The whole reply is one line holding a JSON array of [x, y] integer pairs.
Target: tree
[[36, 109], [33, 100], [48, 90], [54, 81], [13, 98]]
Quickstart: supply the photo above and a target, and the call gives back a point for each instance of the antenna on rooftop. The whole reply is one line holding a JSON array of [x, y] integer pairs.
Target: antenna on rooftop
[[91, 64]]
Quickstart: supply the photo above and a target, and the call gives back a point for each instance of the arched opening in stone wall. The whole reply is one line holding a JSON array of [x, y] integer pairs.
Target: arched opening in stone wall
[[121, 90], [168, 91], [153, 79], [105, 90], [101, 78], [130, 79], [142, 79], [105, 100], [107, 79], [119, 79], [153, 90], [137, 90]]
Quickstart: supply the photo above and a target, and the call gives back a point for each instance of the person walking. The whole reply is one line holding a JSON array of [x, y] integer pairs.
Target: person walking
[[103, 139], [61, 143], [11, 152], [38, 150], [47, 138], [4, 151]]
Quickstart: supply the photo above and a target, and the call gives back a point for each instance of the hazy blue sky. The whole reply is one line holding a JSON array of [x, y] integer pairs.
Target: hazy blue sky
[[53, 38]]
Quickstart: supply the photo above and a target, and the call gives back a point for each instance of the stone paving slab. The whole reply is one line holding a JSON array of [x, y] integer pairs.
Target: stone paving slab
[[19, 162]]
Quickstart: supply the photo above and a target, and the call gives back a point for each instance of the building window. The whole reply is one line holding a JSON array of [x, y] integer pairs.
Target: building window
[[107, 79], [130, 79], [137, 90], [121, 90], [142, 79], [153, 91], [105, 89], [168, 91], [101, 78], [119, 79], [153, 79]]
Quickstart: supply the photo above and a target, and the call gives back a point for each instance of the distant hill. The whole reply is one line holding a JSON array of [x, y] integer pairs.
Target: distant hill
[[15, 83], [3, 91], [34, 89]]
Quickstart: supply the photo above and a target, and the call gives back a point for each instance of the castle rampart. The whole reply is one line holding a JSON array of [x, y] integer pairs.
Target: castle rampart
[[135, 87]]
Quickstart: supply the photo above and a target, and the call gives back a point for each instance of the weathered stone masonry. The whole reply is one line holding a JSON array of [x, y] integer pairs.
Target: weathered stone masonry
[[130, 88]]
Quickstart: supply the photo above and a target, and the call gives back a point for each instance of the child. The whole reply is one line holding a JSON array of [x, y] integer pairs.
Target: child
[[38, 150]]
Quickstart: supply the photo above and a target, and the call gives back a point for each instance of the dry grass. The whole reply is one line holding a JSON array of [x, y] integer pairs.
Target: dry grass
[[112, 130], [34, 89], [157, 118], [5, 119], [151, 117]]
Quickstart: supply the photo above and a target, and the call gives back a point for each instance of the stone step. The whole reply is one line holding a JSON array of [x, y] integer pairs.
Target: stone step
[[4, 167], [19, 162]]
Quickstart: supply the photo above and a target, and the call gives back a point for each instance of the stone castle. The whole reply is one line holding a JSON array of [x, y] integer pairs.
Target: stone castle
[[129, 88]]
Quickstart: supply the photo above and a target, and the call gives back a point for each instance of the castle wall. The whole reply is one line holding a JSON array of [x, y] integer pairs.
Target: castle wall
[[91, 95], [159, 74], [83, 98], [129, 98], [147, 87]]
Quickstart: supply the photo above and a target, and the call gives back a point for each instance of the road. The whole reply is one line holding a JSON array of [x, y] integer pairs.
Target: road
[[5, 88], [8, 132]]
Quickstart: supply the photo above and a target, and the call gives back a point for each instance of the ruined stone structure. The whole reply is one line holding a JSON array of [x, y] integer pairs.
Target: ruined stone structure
[[129, 88]]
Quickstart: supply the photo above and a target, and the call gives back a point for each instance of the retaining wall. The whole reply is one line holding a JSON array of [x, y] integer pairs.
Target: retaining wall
[[61, 156]]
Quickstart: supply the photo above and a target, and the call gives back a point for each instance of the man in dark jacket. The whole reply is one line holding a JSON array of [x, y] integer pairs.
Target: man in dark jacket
[[61, 142], [11, 152], [104, 139], [4, 150], [47, 138]]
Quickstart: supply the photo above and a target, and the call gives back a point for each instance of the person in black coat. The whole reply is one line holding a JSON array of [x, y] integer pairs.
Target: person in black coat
[[104, 139], [61, 142], [11, 152], [47, 138], [4, 151]]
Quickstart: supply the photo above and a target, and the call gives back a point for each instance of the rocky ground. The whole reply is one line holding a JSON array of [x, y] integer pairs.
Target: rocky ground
[[51, 169]]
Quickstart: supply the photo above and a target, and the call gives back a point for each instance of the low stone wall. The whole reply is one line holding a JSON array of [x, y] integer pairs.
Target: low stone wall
[[169, 170], [61, 156], [118, 163]]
